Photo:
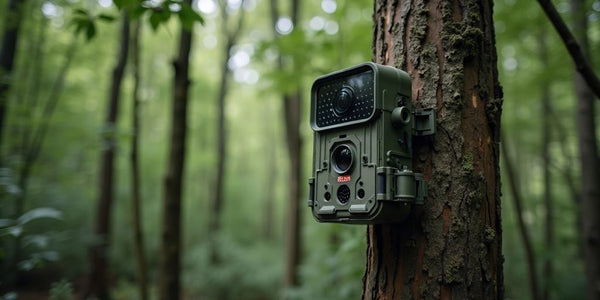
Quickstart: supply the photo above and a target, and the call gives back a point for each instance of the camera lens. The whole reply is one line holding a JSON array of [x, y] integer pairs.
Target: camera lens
[[343, 104], [342, 159]]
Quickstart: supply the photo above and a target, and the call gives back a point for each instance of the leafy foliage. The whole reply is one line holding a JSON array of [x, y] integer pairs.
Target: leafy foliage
[[85, 23], [61, 290]]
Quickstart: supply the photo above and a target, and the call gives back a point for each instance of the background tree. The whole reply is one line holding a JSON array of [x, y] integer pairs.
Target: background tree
[[546, 110], [454, 251], [98, 280], [138, 236], [292, 111], [170, 257], [10, 37], [523, 230], [589, 158], [230, 39], [29, 136]]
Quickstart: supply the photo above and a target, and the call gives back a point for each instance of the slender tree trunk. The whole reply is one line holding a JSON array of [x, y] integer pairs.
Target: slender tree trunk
[[10, 37], [33, 146], [98, 278], [28, 106], [21, 130], [549, 215], [590, 161], [517, 199], [453, 251], [217, 202], [269, 204], [292, 110], [231, 38], [170, 257], [567, 171], [138, 237]]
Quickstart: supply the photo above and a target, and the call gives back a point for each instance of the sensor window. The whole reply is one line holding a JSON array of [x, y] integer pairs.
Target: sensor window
[[345, 99]]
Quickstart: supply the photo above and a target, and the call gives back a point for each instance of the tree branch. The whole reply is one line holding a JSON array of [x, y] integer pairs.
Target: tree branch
[[581, 64]]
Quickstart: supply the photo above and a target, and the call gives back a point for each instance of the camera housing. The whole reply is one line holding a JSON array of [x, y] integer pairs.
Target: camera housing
[[364, 123]]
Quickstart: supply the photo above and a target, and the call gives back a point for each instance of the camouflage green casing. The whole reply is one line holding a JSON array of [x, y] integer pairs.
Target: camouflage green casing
[[382, 186]]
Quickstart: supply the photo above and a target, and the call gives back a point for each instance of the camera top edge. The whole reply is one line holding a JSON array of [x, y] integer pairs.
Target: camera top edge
[[352, 95]]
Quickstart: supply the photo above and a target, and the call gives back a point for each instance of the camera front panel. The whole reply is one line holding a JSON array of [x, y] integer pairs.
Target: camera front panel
[[345, 187]]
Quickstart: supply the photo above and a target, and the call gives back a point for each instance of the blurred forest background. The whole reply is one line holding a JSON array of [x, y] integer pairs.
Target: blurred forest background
[[245, 62]]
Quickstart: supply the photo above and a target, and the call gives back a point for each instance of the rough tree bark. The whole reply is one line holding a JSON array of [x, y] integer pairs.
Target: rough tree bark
[[170, 255], [292, 110], [97, 284], [10, 37], [453, 250], [138, 237], [590, 161]]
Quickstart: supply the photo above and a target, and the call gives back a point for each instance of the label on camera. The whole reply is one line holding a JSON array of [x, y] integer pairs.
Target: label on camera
[[344, 178]]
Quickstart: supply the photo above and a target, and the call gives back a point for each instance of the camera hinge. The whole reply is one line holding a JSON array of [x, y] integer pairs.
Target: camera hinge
[[400, 185], [424, 122], [311, 191]]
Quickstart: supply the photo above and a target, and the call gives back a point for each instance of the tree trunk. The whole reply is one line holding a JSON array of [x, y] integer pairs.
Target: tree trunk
[[453, 250], [548, 218], [590, 161], [170, 261], [292, 110], [138, 237], [217, 202], [97, 281], [523, 231], [269, 204], [10, 37], [31, 147], [567, 171]]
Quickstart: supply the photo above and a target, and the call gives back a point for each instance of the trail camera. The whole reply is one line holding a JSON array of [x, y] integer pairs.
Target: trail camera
[[364, 123]]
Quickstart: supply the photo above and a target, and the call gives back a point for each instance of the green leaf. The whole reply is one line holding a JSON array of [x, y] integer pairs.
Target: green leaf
[[38, 213], [6, 223], [187, 16], [159, 16], [90, 30], [154, 20], [80, 11], [137, 12], [15, 230], [107, 18], [126, 4]]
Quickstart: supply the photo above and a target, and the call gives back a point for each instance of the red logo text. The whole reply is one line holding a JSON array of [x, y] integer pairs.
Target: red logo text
[[345, 178]]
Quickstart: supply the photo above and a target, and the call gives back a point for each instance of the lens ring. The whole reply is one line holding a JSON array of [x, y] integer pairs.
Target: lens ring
[[344, 102], [342, 159]]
